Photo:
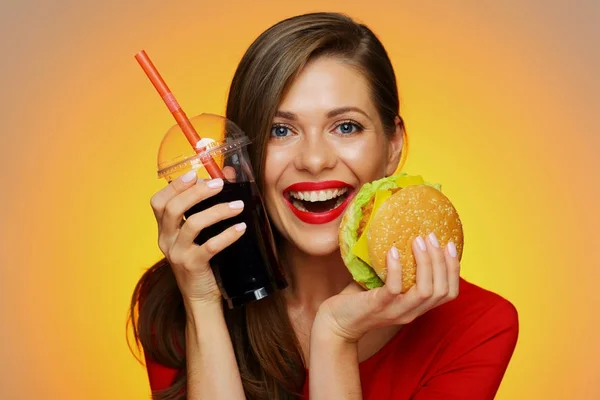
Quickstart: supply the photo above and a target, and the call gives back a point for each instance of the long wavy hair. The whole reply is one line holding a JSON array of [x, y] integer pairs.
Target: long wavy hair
[[267, 350]]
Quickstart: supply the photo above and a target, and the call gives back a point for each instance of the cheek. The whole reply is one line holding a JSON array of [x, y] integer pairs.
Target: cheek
[[275, 162], [366, 159]]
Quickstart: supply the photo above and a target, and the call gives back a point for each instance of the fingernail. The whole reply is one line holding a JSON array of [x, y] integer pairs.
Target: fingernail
[[200, 180], [240, 227], [433, 240], [189, 176], [215, 183], [236, 205], [452, 249], [394, 252], [421, 243]]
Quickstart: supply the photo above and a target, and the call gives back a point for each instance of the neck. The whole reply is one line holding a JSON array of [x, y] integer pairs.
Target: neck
[[313, 279]]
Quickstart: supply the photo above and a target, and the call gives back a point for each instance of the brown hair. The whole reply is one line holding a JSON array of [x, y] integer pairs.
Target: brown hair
[[267, 351]]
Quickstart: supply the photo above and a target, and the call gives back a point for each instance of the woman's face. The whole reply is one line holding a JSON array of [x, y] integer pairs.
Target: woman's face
[[326, 141]]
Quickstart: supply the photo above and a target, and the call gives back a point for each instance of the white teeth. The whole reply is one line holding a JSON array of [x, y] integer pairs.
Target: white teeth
[[318, 195], [299, 205]]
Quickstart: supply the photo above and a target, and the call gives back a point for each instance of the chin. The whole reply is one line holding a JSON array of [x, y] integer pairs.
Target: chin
[[316, 244]]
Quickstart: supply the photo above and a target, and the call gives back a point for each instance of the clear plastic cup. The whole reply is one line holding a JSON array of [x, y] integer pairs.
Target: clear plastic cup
[[248, 269]]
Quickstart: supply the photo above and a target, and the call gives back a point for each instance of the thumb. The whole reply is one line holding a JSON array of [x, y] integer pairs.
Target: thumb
[[382, 296]]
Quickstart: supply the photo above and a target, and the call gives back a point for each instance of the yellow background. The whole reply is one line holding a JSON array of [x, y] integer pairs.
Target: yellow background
[[500, 99]]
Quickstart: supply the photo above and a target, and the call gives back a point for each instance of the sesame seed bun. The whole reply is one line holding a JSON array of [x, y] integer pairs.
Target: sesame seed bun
[[412, 211]]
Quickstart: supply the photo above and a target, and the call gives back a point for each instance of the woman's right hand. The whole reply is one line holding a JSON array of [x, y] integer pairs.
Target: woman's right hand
[[190, 262]]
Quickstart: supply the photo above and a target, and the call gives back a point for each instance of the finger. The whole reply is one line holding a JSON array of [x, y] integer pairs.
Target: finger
[[199, 221], [424, 279], [229, 173], [378, 300], [440, 275], [419, 293], [452, 267], [159, 201], [453, 270], [178, 205], [381, 297], [418, 308], [220, 242], [404, 306], [393, 281]]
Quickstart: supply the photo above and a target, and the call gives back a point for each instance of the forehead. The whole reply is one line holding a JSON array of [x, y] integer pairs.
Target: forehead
[[326, 83]]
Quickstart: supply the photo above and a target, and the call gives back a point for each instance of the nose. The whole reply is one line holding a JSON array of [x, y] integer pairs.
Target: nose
[[315, 155]]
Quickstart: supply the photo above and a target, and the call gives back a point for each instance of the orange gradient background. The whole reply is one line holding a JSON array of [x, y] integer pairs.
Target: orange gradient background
[[501, 104]]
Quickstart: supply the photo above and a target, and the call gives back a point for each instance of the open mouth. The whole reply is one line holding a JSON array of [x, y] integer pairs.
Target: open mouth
[[318, 201]]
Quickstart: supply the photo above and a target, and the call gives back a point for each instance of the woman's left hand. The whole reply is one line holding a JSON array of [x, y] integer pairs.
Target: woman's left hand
[[354, 312]]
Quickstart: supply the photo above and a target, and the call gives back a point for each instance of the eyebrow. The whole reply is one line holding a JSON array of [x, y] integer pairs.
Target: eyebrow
[[333, 113]]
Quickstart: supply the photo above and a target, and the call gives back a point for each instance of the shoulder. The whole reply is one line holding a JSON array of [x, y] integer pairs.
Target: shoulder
[[474, 304], [457, 350], [476, 316], [482, 306], [460, 349]]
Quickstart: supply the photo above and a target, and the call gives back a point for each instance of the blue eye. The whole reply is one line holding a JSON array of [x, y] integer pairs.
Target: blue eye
[[280, 131], [348, 128]]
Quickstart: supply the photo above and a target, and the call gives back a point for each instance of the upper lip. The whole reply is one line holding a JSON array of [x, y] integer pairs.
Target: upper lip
[[312, 186]]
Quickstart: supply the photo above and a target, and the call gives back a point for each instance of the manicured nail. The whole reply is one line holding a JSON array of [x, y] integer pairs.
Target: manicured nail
[[200, 180], [188, 177], [421, 243], [215, 183], [236, 205], [452, 249], [240, 227], [433, 240], [394, 252]]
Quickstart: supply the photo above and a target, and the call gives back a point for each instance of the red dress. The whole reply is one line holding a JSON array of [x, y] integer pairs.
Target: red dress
[[459, 350]]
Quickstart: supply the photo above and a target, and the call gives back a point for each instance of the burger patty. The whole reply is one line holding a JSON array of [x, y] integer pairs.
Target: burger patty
[[367, 209]]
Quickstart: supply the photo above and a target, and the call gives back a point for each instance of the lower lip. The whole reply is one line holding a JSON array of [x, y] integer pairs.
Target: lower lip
[[319, 218]]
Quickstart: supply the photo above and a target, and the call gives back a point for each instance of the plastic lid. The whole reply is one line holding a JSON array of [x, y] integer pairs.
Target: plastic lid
[[219, 136]]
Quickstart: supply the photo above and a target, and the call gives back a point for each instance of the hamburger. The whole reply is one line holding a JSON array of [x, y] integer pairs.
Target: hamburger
[[393, 211]]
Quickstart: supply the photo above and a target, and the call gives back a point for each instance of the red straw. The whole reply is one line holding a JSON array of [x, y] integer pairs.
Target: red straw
[[182, 120]]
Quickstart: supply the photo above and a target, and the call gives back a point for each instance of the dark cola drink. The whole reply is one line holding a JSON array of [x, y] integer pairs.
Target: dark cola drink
[[248, 269]]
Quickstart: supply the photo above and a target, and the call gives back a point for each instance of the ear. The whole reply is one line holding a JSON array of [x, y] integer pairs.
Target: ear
[[396, 147]]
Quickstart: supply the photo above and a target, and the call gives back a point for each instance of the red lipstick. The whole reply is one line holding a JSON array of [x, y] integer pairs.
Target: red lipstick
[[318, 217]]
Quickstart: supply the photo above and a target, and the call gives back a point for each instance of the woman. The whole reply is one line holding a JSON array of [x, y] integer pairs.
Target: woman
[[317, 95]]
